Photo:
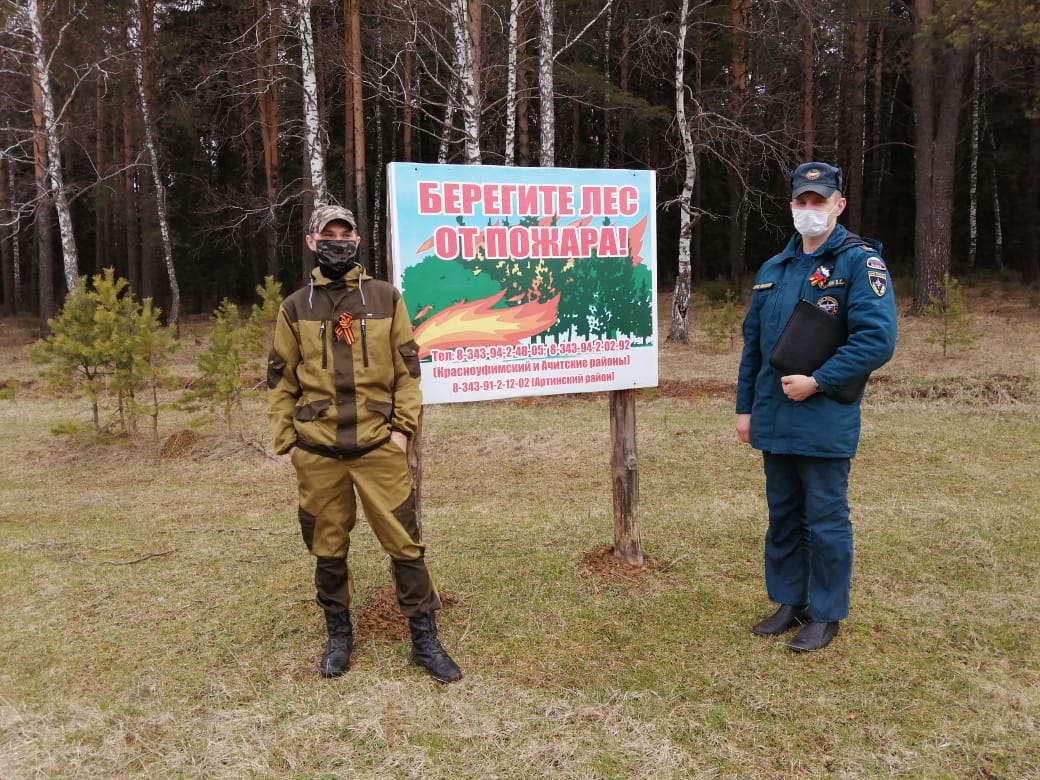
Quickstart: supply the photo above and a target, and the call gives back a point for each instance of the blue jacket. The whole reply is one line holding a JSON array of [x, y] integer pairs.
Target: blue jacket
[[849, 279]]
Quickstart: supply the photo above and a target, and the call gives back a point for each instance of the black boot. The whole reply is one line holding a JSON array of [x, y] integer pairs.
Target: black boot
[[336, 659], [427, 651]]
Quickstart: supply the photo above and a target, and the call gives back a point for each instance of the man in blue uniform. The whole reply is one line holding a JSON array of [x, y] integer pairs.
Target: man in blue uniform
[[806, 436]]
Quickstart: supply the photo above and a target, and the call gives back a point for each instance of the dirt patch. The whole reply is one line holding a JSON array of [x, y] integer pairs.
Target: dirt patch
[[178, 444], [601, 564], [994, 389], [379, 619]]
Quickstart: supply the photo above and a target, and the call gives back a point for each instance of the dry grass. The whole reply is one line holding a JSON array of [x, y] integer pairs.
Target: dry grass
[[157, 617]]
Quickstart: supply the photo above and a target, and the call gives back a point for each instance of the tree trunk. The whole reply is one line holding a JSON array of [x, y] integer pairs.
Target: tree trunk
[[102, 198], [1031, 261], [546, 86], [512, 83], [973, 164], [135, 30], [407, 109], [355, 110], [48, 123], [740, 15], [878, 156], [268, 18], [8, 237], [808, 84], [679, 329], [856, 123], [466, 66], [134, 271], [523, 92], [937, 87], [311, 119], [624, 468]]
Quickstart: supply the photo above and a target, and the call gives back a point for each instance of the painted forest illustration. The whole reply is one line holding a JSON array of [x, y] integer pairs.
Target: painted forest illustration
[[481, 302]]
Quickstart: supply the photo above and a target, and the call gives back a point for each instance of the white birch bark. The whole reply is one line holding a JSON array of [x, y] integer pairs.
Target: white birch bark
[[511, 73], [134, 38], [546, 86], [679, 330], [467, 80], [312, 141], [70, 254]]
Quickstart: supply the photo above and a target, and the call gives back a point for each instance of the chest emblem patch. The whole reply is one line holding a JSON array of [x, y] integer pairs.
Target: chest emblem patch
[[878, 282], [820, 276], [827, 303], [343, 330]]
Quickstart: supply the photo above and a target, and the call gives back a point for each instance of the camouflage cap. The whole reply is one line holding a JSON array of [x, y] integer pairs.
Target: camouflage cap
[[323, 215], [818, 177]]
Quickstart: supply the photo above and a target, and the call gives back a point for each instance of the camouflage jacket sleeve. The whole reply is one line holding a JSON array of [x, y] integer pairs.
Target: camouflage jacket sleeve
[[407, 394], [283, 389]]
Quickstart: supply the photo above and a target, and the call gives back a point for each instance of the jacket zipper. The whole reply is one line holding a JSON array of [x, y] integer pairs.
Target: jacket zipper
[[324, 348], [364, 344]]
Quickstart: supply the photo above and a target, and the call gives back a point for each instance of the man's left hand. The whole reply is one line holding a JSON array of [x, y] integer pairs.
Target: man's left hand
[[798, 387]]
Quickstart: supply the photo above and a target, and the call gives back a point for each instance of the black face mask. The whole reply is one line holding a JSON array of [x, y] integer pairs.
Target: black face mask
[[335, 257]]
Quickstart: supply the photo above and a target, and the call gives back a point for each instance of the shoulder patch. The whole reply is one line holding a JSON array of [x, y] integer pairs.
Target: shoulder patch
[[763, 286], [878, 282], [876, 263]]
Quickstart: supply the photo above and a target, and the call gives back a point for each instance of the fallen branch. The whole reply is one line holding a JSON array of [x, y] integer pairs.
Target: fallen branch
[[142, 558]]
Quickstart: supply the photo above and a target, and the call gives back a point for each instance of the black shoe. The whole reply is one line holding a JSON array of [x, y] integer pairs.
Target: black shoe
[[336, 659], [427, 651], [814, 636], [782, 621]]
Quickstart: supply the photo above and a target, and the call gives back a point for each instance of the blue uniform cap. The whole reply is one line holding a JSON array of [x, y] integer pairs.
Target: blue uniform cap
[[818, 177]]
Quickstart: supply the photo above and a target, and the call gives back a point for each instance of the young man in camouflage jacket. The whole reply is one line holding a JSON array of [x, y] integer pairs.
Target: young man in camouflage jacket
[[343, 400]]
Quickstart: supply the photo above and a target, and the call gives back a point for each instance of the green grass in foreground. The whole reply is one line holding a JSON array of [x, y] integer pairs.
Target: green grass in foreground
[[157, 617]]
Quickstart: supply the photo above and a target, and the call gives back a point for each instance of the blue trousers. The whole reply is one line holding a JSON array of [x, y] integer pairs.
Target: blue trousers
[[808, 548]]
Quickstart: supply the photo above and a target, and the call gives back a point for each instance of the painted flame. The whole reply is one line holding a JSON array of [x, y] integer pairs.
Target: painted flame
[[475, 323], [635, 240]]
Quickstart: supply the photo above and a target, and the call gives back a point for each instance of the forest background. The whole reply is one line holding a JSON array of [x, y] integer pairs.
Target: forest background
[[184, 143]]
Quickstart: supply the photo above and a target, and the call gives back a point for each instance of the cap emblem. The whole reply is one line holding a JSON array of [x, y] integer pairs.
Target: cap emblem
[[813, 174]]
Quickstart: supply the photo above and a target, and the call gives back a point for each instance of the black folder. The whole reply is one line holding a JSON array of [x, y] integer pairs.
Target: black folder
[[807, 341]]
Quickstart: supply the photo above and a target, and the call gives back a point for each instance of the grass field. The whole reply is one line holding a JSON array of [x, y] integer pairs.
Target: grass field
[[157, 615]]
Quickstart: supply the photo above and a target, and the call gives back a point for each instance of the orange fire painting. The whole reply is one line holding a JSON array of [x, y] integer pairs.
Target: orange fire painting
[[476, 323]]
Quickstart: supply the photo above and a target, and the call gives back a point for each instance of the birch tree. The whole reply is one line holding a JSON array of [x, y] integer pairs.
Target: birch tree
[[546, 85], [511, 81], [312, 125], [144, 105], [465, 44], [679, 331], [547, 56], [55, 179]]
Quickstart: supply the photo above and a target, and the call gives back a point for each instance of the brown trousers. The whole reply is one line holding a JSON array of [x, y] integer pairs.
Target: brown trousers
[[329, 490]]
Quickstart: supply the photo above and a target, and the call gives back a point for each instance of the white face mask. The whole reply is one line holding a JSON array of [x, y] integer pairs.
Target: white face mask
[[811, 223]]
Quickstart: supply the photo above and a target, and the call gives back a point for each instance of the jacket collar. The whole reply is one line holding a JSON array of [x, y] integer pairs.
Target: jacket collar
[[793, 250], [350, 279]]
